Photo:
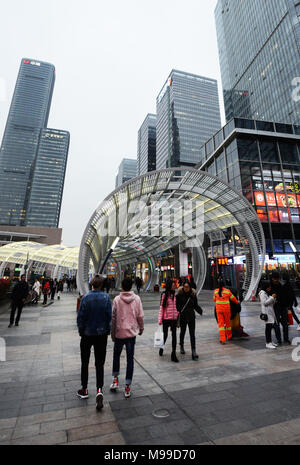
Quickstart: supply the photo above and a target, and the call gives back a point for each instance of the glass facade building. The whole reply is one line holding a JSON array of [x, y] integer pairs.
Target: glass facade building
[[47, 182], [146, 157], [24, 150], [261, 159], [127, 170], [28, 114], [259, 50], [188, 114]]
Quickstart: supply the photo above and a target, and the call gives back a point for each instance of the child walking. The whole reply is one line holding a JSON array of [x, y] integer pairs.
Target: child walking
[[127, 323]]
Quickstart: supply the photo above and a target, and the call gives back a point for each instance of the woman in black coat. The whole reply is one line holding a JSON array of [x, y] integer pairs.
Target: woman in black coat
[[187, 303]]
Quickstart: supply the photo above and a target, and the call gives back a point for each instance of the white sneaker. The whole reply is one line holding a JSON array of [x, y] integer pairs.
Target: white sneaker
[[270, 346], [115, 384], [298, 329], [274, 344]]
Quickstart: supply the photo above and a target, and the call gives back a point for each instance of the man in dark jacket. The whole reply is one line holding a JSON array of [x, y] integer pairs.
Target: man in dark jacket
[[18, 297], [290, 298], [94, 325], [280, 307]]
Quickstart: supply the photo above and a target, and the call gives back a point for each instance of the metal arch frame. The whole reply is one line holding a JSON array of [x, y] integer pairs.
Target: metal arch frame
[[200, 264], [224, 199]]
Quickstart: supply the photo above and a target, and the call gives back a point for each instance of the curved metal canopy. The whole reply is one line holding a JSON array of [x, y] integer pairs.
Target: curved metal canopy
[[159, 210], [24, 252]]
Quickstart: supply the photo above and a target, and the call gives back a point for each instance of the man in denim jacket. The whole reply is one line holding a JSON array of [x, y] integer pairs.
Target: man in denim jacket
[[94, 326]]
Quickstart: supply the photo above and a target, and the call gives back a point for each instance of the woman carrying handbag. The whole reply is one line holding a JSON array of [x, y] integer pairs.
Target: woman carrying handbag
[[187, 303], [168, 316]]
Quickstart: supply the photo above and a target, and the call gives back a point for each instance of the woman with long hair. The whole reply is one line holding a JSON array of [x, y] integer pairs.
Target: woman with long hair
[[223, 297], [168, 316], [268, 314], [186, 305]]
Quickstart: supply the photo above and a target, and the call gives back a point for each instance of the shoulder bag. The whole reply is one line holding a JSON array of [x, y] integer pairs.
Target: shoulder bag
[[178, 319]]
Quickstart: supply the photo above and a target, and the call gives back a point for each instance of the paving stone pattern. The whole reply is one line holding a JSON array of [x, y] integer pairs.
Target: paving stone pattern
[[240, 393]]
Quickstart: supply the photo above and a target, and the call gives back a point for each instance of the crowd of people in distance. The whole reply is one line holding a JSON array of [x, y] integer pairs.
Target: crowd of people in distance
[[30, 292]]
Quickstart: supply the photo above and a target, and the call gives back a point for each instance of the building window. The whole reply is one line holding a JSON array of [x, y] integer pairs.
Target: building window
[[289, 153], [285, 128], [269, 152], [248, 149], [264, 126], [244, 123]]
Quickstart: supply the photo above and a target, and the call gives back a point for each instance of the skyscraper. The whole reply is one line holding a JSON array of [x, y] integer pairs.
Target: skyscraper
[[188, 114], [127, 170], [23, 148], [146, 158], [47, 182], [259, 50]]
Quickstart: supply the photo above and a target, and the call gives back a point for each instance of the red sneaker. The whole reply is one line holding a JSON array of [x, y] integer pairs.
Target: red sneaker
[[127, 392], [83, 393]]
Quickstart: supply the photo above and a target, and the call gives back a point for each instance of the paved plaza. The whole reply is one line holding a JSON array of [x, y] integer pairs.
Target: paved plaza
[[240, 393]]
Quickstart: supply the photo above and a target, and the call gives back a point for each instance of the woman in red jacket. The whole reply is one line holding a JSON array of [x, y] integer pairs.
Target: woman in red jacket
[[46, 289], [168, 316]]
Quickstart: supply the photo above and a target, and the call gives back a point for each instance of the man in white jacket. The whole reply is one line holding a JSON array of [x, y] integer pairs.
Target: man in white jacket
[[268, 312], [37, 288]]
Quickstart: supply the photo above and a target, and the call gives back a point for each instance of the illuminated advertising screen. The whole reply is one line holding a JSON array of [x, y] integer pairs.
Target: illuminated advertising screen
[[282, 201]]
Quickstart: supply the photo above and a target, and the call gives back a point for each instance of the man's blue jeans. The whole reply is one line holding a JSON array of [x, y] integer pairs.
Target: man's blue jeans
[[118, 347]]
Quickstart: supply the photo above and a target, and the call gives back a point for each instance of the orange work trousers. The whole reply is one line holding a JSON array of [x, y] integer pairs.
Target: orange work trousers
[[224, 325]]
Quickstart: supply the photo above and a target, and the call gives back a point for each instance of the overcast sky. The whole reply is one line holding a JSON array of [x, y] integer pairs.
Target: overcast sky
[[111, 59]]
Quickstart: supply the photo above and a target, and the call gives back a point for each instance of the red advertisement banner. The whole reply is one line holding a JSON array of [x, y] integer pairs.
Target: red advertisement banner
[[282, 201]]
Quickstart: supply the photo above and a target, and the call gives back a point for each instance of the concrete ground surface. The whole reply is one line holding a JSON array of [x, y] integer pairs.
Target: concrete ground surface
[[240, 393]]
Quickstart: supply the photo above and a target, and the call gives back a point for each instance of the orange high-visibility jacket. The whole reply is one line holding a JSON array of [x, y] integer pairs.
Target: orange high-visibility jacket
[[223, 303]]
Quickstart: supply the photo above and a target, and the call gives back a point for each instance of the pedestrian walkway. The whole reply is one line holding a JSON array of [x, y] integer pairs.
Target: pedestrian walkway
[[235, 394]]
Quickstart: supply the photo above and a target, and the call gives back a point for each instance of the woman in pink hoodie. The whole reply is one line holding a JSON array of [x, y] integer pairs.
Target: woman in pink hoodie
[[127, 323]]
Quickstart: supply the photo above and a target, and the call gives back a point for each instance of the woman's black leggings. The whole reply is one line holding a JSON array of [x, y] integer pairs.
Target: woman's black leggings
[[269, 327], [192, 326], [173, 325]]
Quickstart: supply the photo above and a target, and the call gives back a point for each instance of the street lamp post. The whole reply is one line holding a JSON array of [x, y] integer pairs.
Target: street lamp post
[[110, 251]]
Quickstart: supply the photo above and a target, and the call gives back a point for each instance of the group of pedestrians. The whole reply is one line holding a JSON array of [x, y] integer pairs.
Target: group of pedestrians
[[97, 319], [178, 310], [277, 300], [51, 287]]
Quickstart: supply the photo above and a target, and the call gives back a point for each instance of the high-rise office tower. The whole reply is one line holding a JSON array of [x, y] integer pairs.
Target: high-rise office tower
[[188, 114], [127, 170], [23, 148], [146, 158], [259, 50], [28, 113], [48, 178]]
